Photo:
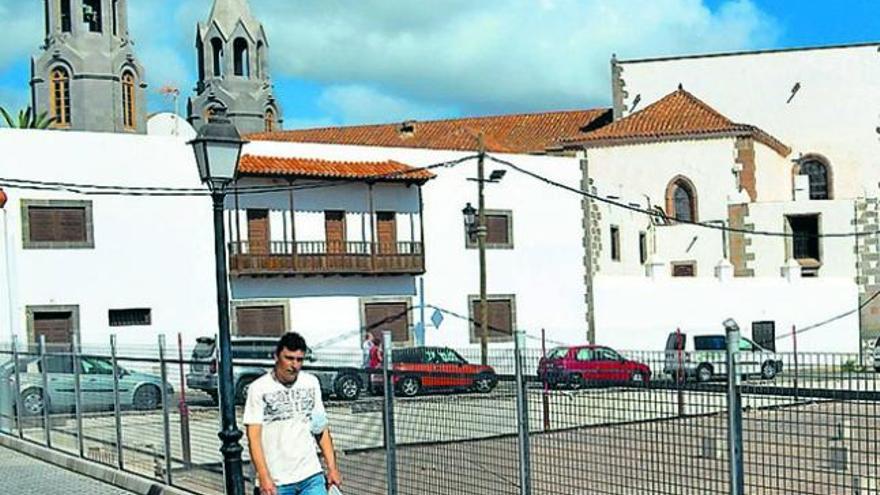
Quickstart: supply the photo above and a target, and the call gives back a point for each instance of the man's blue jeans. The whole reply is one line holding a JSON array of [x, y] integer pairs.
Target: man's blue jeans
[[315, 485]]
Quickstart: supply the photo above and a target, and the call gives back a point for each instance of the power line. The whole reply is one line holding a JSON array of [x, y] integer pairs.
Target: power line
[[664, 216]]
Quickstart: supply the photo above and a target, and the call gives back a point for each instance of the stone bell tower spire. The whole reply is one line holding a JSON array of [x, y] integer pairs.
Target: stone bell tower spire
[[233, 66], [86, 74]]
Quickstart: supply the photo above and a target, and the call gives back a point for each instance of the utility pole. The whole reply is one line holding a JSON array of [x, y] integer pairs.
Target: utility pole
[[482, 232], [588, 249]]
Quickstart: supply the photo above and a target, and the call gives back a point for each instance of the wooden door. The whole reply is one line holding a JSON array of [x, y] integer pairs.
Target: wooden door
[[388, 316], [258, 231], [57, 328], [386, 232], [334, 231]]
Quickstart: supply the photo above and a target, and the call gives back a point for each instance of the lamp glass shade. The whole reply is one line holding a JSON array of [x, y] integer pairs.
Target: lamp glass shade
[[470, 214], [222, 160]]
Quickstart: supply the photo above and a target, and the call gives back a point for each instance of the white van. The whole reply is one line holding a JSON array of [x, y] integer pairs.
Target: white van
[[704, 357]]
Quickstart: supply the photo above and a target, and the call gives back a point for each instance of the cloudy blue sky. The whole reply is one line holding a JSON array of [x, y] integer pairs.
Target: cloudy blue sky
[[356, 61]]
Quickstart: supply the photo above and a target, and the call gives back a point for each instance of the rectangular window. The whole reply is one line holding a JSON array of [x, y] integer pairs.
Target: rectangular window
[[805, 245], [129, 317], [392, 316], [764, 334], [643, 247], [684, 269], [499, 231], [615, 243], [501, 318], [51, 224], [260, 321]]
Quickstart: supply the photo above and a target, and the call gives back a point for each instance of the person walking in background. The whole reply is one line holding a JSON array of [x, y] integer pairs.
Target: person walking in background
[[285, 418], [367, 347]]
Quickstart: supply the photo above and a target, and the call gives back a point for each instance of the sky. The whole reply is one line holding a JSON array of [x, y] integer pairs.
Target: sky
[[342, 62]]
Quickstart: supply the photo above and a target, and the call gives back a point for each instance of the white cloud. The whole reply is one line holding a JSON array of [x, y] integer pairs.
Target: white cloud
[[495, 55], [358, 104]]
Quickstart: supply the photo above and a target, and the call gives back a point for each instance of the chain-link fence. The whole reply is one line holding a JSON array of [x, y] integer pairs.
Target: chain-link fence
[[580, 419]]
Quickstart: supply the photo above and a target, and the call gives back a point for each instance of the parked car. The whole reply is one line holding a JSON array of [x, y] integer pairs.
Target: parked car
[[420, 369], [576, 366], [877, 355], [704, 357], [136, 390], [254, 356]]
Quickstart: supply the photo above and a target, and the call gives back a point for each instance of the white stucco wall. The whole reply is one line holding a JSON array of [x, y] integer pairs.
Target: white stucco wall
[[833, 114], [149, 252], [638, 314]]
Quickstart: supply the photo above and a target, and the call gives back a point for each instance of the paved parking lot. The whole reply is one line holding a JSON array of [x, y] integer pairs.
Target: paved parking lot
[[21, 474]]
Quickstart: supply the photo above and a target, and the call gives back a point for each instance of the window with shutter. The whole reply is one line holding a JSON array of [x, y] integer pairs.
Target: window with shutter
[[501, 318], [684, 269], [393, 316], [260, 321], [499, 231], [129, 317], [56, 224]]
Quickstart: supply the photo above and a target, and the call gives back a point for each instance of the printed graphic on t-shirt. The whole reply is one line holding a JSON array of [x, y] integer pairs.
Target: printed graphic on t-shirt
[[288, 404]]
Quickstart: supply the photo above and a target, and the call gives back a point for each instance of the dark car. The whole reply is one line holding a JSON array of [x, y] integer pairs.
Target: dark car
[[575, 367], [418, 369], [254, 356]]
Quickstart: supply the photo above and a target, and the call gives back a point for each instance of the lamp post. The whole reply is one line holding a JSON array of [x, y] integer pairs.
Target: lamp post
[[218, 148], [475, 222]]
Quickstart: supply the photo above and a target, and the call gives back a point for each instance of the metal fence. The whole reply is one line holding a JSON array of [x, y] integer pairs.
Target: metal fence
[[645, 422]]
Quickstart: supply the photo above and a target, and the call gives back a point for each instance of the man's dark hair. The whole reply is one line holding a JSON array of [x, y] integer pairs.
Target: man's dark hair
[[291, 341]]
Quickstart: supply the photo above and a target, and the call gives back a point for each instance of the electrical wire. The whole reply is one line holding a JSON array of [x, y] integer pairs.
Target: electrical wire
[[665, 217]]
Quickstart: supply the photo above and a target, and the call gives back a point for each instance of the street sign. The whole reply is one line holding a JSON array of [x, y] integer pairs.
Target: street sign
[[437, 318]]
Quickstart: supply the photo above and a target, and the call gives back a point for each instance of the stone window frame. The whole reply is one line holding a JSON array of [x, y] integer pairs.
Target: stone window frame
[[809, 266], [362, 309], [256, 303], [89, 243], [471, 240], [472, 328], [670, 198], [29, 310]]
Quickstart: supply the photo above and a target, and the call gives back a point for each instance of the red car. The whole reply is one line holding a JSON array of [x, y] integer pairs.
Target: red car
[[577, 366], [417, 369]]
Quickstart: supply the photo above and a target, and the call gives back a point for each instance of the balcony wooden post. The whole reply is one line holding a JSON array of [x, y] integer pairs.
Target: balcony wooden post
[[292, 227], [372, 229], [238, 251], [421, 259]]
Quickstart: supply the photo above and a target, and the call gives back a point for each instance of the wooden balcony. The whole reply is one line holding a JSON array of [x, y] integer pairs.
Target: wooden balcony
[[286, 258]]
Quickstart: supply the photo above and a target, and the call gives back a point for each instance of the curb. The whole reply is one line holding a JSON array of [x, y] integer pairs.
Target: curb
[[125, 480]]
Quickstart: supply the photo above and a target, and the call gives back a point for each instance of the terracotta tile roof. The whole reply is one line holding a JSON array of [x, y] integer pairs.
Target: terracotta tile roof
[[387, 171], [521, 133], [678, 115]]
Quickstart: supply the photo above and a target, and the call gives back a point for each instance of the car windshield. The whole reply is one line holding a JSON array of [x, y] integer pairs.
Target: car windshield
[[557, 353]]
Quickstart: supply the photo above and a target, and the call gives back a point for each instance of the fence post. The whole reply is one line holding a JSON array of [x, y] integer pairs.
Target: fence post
[[734, 409], [185, 443], [77, 390], [44, 380], [120, 459], [545, 396], [166, 425], [796, 371], [522, 414], [388, 414], [18, 407], [681, 374]]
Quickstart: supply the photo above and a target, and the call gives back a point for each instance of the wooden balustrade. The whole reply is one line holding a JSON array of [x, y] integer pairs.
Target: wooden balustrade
[[286, 258]]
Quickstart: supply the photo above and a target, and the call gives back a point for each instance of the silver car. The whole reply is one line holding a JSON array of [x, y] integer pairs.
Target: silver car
[[704, 357], [136, 390]]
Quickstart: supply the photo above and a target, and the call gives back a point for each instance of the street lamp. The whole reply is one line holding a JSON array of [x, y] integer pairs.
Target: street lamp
[[218, 148], [475, 222]]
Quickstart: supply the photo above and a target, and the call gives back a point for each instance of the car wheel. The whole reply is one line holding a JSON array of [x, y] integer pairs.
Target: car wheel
[[146, 398], [485, 383], [241, 390], [409, 386], [32, 402], [575, 381], [768, 370], [347, 387], [704, 373]]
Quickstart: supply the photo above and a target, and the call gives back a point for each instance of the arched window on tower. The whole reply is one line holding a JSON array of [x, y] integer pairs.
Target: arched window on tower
[[115, 14], [242, 59], [681, 200], [65, 18], [270, 120], [217, 56], [260, 60], [817, 171], [59, 97], [92, 15], [129, 104]]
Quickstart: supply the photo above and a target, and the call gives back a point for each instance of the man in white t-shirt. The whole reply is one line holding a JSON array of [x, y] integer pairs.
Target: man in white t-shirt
[[285, 418]]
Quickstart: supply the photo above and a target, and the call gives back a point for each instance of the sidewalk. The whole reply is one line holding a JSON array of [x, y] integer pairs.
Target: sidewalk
[[21, 474]]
